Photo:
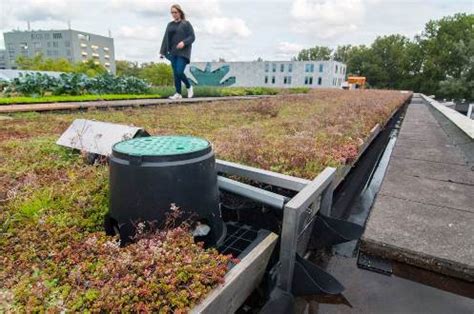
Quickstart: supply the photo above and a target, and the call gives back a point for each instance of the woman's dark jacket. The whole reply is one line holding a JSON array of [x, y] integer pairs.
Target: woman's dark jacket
[[182, 32]]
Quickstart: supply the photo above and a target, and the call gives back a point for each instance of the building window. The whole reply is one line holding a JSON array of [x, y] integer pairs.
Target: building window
[[282, 67], [287, 80], [310, 80], [306, 80], [309, 68], [290, 67], [320, 80], [23, 46], [37, 45], [336, 69], [55, 44], [273, 79], [266, 79], [46, 36], [48, 44], [57, 36], [321, 68], [267, 66], [67, 44], [274, 67]]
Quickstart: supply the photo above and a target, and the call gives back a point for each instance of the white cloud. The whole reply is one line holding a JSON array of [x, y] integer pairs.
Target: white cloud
[[286, 50], [226, 27], [328, 18], [148, 33], [202, 8], [42, 10], [5, 14], [289, 48], [139, 53]]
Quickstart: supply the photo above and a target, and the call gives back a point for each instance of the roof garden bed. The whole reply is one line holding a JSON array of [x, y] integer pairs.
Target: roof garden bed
[[52, 245]]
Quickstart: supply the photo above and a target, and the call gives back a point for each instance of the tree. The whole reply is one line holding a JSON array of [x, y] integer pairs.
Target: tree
[[389, 66], [461, 86], [314, 54], [438, 61], [158, 74], [89, 68], [127, 68], [446, 45], [358, 60], [38, 63], [342, 53]]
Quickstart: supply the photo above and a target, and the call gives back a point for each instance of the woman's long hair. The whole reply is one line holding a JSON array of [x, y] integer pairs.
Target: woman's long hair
[[181, 13]]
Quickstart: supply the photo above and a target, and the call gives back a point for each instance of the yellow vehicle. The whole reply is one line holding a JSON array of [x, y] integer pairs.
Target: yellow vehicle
[[356, 82]]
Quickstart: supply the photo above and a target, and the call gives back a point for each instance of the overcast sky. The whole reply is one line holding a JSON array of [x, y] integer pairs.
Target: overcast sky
[[234, 30]]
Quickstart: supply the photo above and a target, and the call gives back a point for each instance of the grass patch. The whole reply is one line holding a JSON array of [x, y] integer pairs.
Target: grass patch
[[45, 99]]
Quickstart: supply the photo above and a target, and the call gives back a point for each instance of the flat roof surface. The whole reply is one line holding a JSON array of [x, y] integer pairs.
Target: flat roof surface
[[424, 212]]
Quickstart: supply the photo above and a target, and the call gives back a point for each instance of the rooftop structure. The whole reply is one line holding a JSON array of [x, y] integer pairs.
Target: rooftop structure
[[313, 74]]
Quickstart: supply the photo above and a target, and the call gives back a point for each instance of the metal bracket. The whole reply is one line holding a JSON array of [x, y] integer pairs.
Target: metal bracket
[[266, 197]]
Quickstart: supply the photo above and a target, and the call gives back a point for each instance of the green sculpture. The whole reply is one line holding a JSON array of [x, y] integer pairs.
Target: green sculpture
[[211, 78]]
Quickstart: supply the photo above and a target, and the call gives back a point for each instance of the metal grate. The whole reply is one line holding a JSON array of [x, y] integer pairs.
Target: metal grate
[[239, 237], [162, 145]]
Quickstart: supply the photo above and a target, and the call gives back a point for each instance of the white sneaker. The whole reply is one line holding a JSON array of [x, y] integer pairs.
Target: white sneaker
[[175, 96], [190, 92]]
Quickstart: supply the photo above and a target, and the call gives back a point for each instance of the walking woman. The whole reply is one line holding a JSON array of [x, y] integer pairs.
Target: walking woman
[[176, 47]]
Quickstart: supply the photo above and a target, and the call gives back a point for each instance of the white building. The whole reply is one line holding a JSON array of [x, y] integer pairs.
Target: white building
[[314, 74], [72, 45]]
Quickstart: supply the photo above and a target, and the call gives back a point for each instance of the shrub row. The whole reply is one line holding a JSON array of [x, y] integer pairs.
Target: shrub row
[[39, 84]]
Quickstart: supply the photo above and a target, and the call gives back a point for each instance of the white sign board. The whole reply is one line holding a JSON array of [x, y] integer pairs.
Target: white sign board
[[95, 136]]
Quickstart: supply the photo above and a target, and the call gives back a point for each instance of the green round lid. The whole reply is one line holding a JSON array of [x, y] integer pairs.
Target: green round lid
[[161, 145]]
